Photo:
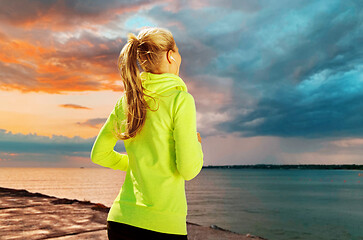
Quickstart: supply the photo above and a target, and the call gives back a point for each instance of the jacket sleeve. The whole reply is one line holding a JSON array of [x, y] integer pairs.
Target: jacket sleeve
[[189, 153], [103, 152]]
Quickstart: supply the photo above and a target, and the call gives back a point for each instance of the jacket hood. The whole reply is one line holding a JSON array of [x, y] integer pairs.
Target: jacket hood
[[160, 83]]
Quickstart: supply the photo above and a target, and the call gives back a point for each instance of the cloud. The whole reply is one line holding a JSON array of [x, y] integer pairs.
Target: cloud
[[305, 78], [279, 150], [31, 147], [80, 64], [94, 122], [32, 143], [75, 106], [322, 106], [64, 15], [209, 98], [292, 69], [246, 6], [295, 66]]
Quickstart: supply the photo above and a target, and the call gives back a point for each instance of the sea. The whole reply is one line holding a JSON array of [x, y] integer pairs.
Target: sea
[[276, 204]]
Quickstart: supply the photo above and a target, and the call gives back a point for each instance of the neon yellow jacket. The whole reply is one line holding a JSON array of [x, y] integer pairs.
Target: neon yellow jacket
[[159, 159]]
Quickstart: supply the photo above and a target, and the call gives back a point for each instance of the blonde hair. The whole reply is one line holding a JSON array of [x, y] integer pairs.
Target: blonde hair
[[145, 51]]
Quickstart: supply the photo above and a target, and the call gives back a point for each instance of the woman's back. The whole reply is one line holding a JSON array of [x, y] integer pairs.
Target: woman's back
[[160, 157], [154, 187]]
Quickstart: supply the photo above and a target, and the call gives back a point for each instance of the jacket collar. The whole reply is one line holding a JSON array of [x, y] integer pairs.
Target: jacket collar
[[160, 83]]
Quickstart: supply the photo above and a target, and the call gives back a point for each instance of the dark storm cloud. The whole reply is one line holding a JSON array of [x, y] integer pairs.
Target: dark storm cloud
[[300, 62], [331, 108]]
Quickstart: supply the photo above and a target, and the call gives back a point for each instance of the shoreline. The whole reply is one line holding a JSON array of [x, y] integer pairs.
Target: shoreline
[[40, 216]]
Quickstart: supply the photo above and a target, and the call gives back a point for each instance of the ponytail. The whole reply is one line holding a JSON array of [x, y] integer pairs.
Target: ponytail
[[147, 48]]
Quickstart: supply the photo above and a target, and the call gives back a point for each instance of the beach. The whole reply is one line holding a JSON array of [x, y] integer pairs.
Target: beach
[[32, 215]]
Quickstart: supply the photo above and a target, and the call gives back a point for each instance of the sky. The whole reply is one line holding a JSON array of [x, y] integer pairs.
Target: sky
[[274, 82]]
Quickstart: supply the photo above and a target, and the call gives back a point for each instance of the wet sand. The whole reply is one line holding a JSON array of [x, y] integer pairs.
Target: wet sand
[[26, 215]]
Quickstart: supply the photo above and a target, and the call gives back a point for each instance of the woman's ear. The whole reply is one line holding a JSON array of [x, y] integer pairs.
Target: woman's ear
[[169, 57]]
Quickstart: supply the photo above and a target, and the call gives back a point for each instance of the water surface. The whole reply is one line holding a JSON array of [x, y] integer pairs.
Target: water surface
[[272, 203]]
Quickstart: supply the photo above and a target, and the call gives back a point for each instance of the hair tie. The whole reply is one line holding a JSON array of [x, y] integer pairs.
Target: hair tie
[[133, 38]]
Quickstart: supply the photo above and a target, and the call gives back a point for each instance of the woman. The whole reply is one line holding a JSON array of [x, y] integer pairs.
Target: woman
[[156, 119]]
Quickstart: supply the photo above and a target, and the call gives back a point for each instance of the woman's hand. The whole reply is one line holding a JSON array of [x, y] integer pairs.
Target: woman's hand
[[199, 138]]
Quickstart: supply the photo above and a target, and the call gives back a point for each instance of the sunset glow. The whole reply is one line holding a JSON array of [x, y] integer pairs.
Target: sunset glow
[[272, 83]]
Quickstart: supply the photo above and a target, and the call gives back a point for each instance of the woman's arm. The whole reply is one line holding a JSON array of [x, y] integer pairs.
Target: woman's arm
[[103, 152], [189, 153]]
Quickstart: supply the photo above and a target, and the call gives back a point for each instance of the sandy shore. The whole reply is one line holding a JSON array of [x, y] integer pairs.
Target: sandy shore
[[26, 215]]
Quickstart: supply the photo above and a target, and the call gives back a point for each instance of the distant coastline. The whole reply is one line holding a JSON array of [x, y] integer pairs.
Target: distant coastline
[[287, 166]]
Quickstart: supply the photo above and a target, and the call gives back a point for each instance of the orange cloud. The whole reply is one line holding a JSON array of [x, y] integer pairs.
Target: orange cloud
[[38, 60], [74, 106], [21, 52], [84, 64]]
